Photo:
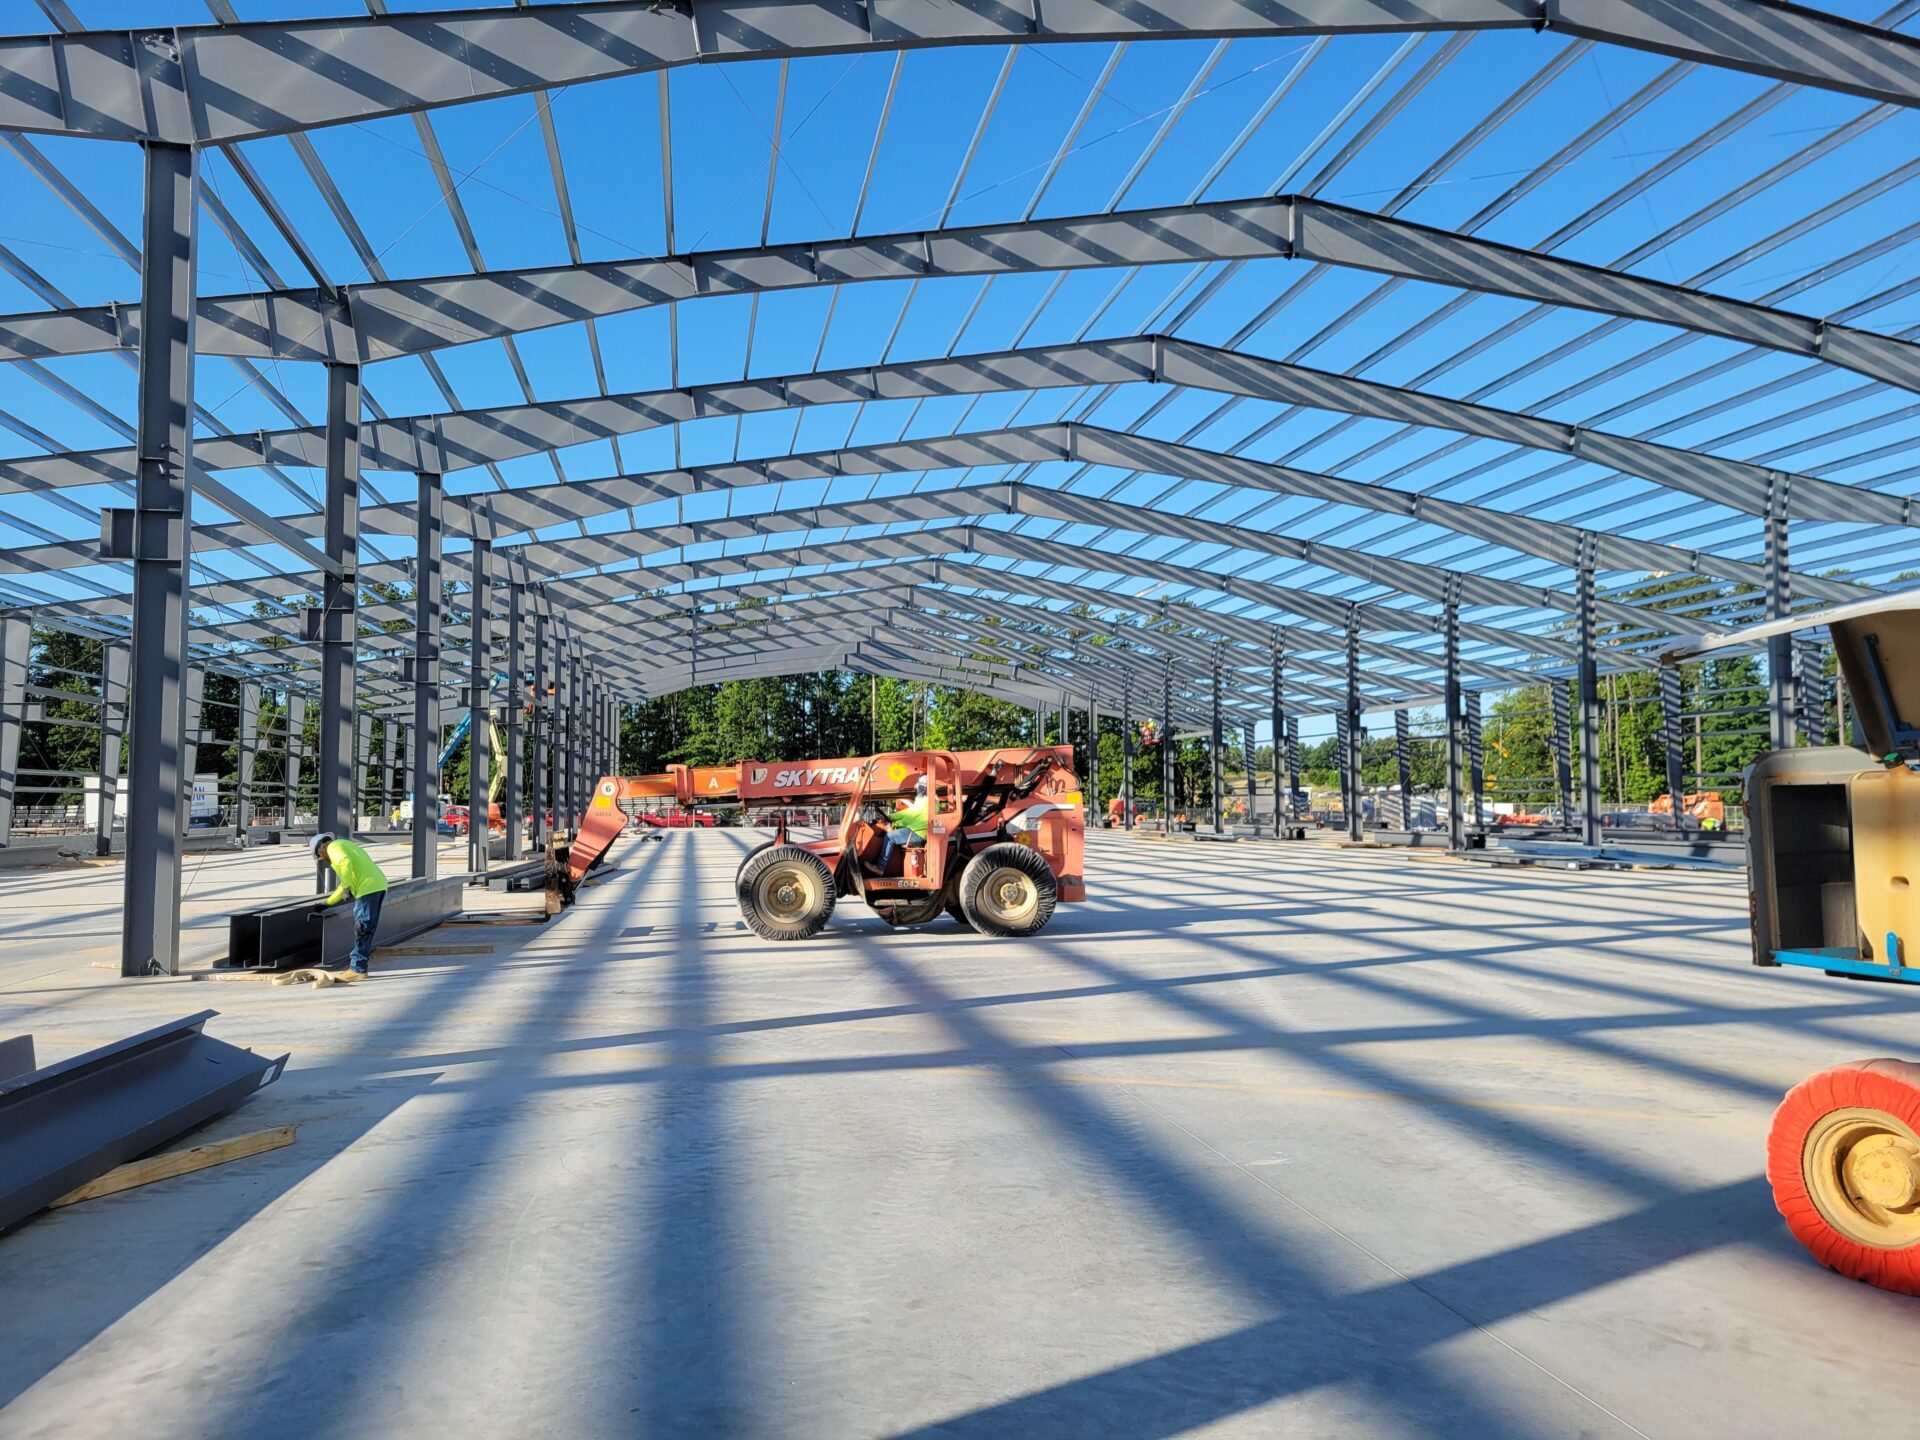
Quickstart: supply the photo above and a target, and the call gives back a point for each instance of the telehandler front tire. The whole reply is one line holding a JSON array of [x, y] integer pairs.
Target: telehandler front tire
[[785, 893]]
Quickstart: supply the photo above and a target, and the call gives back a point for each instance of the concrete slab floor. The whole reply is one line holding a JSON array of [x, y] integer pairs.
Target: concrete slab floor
[[1264, 1139]]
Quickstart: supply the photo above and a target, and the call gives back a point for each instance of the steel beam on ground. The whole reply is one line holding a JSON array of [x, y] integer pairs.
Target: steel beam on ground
[[337, 624], [210, 85], [16, 644], [162, 525], [424, 745], [479, 681]]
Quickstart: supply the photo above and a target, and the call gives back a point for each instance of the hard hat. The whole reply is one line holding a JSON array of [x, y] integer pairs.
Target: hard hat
[[920, 786], [320, 842]]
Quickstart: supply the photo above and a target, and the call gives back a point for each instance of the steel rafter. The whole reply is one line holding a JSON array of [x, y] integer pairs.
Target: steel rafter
[[475, 437], [384, 319]]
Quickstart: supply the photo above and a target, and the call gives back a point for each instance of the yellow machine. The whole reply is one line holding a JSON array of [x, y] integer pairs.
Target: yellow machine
[[1833, 864]]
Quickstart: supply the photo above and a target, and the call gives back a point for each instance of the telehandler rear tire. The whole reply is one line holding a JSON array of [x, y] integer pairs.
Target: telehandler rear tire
[[1843, 1157], [785, 893], [1008, 890]]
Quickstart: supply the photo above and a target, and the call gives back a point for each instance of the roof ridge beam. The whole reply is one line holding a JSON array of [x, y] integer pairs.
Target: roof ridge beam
[[209, 84]]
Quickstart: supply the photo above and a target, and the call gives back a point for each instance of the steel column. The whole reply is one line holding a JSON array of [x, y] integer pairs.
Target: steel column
[[1476, 758], [510, 810], [1093, 749], [296, 719], [1810, 690], [1560, 704], [1350, 756], [362, 763], [1253, 788], [333, 766], [574, 765], [1403, 765], [1216, 797], [1456, 725], [162, 524], [423, 746], [1589, 700], [191, 733], [249, 747], [1673, 741], [1780, 676], [1166, 748], [479, 680], [391, 787], [113, 725], [1284, 781], [1126, 757], [16, 643], [537, 670]]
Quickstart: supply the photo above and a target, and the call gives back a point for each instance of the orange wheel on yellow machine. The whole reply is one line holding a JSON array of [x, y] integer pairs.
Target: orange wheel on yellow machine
[[1843, 1158]]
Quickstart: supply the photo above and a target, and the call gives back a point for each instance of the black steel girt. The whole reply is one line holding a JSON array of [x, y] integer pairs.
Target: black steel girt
[[384, 319], [197, 85]]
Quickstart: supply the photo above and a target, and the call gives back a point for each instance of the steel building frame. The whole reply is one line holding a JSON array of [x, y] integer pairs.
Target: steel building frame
[[1024, 558]]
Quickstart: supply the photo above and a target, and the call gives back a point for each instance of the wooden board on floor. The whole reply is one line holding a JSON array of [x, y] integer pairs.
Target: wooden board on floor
[[178, 1162]]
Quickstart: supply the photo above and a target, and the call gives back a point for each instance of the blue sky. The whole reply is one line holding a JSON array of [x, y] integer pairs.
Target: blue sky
[[1373, 122]]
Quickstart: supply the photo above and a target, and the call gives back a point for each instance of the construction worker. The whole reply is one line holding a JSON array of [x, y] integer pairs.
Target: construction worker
[[359, 877], [907, 826]]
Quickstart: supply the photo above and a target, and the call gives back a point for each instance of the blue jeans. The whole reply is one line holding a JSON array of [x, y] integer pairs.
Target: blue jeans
[[366, 921], [898, 838]]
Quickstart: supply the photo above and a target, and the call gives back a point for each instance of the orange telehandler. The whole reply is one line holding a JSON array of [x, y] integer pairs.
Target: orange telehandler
[[1005, 837]]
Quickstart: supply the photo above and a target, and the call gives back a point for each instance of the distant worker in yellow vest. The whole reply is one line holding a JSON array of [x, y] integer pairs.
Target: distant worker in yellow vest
[[907, 826], [359, 877]]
